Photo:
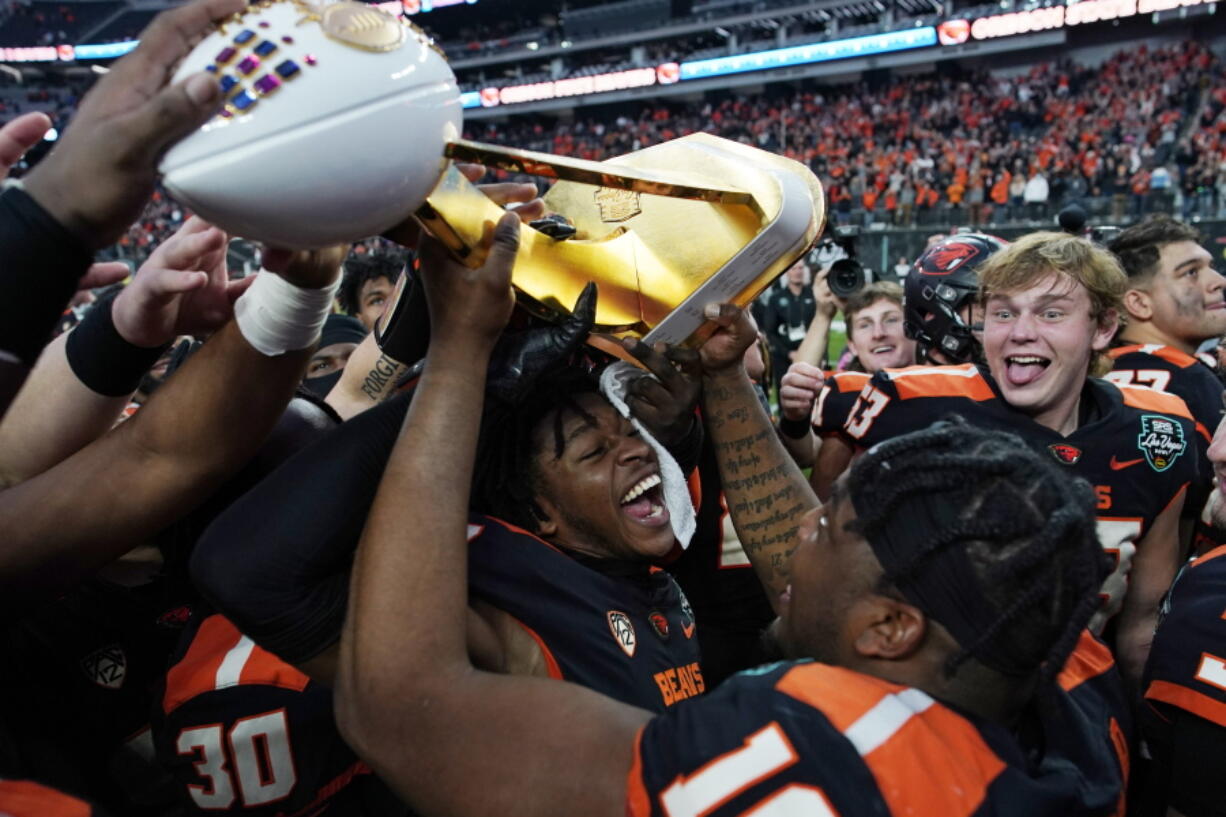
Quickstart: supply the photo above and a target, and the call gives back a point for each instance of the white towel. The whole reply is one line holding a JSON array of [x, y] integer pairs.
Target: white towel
[[613, 382]]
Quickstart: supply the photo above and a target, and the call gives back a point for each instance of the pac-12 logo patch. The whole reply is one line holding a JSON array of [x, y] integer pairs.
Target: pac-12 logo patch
[[1161, 441], [623, 631], [106, 667], [1066, 454]]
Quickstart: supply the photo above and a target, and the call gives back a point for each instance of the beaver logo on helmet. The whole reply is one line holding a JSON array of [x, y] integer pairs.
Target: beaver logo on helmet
[[947, 257]]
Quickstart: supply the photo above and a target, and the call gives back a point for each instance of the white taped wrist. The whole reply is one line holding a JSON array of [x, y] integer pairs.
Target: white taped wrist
[[276, 316]]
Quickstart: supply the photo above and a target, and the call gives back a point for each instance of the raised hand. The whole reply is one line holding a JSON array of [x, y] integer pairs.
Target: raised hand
[[665, 403], [724, 351], [182, 289], [798, 390], [102, 170], [470, 305]]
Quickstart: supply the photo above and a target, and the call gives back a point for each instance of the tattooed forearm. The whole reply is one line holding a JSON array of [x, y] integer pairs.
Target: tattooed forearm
[[381, 378], [766, 493]]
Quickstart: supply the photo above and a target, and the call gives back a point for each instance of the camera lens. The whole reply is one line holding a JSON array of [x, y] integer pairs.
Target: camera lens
[[846, 277]]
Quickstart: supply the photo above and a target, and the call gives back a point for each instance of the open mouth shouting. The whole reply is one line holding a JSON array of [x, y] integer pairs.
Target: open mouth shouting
[[644, 502], [1022, 370]]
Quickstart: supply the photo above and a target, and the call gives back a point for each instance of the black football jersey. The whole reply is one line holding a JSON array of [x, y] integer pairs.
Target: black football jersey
[[1187, 662], [624, 630], [79, 685], [243, 732], [1138, 448], [808, 738], [1167, 369], [835, 401], [723, 589]]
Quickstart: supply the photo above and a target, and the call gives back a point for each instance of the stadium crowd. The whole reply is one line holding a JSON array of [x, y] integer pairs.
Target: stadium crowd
[[1145, 132], [356, 535]]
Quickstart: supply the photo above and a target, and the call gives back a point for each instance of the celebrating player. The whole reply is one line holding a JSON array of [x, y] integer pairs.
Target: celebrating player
[[1051, 307], [928, 680], [1175, 301]]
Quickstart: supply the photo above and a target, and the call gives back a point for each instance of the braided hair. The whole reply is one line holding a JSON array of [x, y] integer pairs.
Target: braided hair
[[507, 478], [1025, 530]]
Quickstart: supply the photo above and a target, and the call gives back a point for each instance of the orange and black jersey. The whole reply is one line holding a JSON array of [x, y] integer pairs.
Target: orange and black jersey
[[808, 738], [723, 588], [621, 628], [835, 401], [1187, 662], [1167, 369], [1184, 717], [1136, 446], [242, 732]]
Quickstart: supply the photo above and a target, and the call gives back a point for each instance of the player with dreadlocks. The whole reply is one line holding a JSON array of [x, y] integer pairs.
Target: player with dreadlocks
[[569, 514], [925, 706], [1051, 304]]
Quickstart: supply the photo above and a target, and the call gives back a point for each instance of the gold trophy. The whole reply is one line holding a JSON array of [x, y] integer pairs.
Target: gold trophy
[[662, 231]]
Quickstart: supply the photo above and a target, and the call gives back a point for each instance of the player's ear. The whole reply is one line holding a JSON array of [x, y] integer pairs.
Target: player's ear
[[887, 628], [1108, 323], [545, 526], [1139, 304]]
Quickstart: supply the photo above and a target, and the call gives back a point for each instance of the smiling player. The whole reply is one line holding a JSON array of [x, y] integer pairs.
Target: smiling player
[[1175, 302], [1051, 307]]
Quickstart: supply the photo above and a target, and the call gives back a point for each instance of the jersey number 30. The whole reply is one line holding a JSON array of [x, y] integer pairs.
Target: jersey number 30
[[253, 757]]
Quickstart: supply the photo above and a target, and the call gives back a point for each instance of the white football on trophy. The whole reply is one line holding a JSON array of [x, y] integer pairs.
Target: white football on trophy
[[333, 129]]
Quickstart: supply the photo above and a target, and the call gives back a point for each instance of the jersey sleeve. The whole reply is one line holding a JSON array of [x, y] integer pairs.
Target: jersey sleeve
[[1187, 663], [835, 401], [728, 754], [877, 413]]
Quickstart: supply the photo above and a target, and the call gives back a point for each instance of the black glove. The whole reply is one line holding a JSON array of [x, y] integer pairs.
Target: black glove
[[521, 357]]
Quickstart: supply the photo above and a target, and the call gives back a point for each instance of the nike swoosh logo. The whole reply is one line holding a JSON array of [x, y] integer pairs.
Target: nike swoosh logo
[[688, 630], [1116, 465]]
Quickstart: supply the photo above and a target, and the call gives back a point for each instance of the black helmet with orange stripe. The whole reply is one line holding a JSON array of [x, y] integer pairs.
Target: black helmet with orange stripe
[[938, 291]]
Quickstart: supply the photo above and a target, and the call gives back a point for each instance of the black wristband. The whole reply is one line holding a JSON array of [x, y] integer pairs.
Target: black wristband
[[405, 333], [43, 264], [794, 429], [102, 359]]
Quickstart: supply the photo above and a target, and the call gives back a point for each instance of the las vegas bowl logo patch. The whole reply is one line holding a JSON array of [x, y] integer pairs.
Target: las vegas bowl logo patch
[[623, 631], [1161, 441]]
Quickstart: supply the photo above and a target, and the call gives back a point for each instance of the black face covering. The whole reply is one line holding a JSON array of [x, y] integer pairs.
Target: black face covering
[[320, 386]]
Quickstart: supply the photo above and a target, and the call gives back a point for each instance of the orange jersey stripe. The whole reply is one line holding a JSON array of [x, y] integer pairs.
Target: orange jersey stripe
[[849, 381], [25, 798], [1167, 353], [1213, 554], [1149, 400], [941, 381], [638, 802], [1089, 659], [219, 657], [1188, 700], [893, 727]]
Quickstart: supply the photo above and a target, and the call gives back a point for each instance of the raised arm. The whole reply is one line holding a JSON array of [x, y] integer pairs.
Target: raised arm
[[83, 379], [408, 699], [196, 431], [95, 181], [766, 492]]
